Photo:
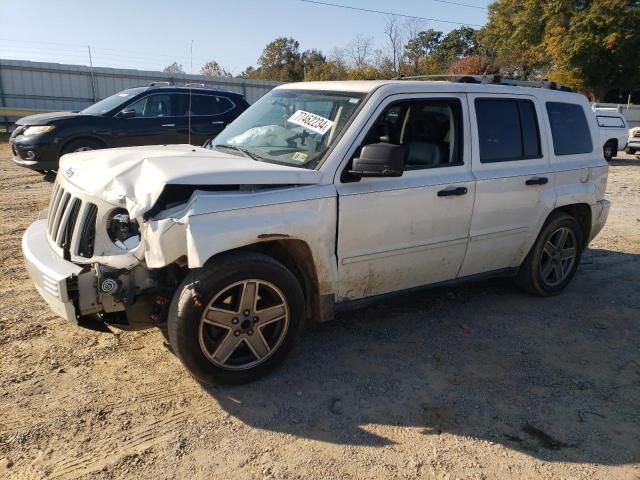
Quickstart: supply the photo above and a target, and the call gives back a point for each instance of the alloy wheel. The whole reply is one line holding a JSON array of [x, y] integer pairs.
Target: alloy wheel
[[558, 256], [244, 324]]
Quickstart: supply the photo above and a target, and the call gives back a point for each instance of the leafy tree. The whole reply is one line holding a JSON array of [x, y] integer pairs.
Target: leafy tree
[[460, 42], [474, 65], [514, 35], [281, 61], [422, 45], [213, 69], [247, 73], [591, 45], [599, 46], [175, 67]]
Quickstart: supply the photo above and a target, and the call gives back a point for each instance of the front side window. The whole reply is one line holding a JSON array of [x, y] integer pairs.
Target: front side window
[[569, 129], [507, 130], [290, 127], [152, 106], [112, 102], [430, 129]]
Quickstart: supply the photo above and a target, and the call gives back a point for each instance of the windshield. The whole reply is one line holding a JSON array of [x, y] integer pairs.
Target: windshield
[[291, 127], [112, 102]]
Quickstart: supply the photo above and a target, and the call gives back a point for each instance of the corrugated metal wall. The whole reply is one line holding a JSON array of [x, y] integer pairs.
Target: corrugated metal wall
[[54, 86]]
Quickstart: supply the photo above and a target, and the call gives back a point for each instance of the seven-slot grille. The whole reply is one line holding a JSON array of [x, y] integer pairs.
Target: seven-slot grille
[[636, 133], [65, 211]]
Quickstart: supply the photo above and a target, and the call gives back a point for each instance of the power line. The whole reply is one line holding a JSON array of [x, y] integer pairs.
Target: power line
[[348, 7], [461, 4]]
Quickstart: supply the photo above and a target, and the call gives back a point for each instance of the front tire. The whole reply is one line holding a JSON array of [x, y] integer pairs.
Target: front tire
[[80, 146], [236, 319], [630, 150], [554, 257]]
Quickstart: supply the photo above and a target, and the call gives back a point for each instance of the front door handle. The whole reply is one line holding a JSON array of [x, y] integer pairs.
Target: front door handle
[[169, 125], [537, 181], [217, 123], [448, 192]]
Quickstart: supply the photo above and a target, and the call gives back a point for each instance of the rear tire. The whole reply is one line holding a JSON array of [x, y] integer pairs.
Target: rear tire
[[610, 150], [553, 260], [236, 319]]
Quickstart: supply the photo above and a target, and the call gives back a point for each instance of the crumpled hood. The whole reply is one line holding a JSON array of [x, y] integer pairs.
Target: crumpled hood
[[136, 176]]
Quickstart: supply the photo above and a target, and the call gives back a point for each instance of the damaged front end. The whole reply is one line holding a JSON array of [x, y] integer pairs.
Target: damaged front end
[[88, 258]]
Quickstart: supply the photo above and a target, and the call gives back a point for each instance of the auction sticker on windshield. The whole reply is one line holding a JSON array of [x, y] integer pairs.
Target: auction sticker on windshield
[[311, 121]]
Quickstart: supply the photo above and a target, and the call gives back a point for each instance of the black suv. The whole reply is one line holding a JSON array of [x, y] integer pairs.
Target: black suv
[[153, 115]]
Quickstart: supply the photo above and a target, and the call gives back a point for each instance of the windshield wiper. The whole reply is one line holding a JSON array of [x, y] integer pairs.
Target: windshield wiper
[[244, 151]]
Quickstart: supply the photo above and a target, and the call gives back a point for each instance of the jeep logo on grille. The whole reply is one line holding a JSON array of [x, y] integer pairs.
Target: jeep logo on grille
[[68, 172]]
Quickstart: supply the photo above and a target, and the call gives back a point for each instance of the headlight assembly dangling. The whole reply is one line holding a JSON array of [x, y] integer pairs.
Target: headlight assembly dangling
[[123, 231]]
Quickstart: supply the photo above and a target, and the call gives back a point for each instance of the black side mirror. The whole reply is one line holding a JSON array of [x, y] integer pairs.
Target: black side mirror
[[380, 160], [126, 113]]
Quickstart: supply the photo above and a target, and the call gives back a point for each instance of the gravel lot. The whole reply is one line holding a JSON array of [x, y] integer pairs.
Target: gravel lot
[[480, 381]]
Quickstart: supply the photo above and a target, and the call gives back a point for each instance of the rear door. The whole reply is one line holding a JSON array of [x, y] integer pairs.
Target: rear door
[[514, 181], [209, 116], [155, 122]]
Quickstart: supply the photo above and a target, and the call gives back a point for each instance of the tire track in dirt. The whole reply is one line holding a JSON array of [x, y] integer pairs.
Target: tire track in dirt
[[110, 450]]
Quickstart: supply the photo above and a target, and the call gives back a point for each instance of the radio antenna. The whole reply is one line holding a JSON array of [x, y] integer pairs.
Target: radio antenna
[[190, 83]]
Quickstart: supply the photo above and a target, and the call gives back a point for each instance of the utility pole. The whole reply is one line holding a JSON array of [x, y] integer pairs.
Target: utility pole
[[93, 82]]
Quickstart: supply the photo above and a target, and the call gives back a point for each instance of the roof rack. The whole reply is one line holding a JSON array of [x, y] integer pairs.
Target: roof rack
[[157, 84], [195, 85], [491, 80]]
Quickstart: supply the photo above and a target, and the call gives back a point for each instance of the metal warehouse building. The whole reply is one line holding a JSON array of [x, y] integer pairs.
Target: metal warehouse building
[[55, 86]]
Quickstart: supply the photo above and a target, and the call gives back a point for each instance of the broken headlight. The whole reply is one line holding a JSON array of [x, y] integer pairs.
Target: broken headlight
[[122, 230]]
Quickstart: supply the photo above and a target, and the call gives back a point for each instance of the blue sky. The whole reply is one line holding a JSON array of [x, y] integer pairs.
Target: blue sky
[[152, 34]]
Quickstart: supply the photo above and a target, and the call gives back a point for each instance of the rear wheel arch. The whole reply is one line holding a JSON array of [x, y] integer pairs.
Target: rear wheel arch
[[581, 212]]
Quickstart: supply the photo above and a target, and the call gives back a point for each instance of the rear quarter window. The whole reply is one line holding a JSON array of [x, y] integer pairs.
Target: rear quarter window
[[569, 129], [610, 121]]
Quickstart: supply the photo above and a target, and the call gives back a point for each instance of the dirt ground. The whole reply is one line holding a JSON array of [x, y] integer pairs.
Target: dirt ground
[[480, 381]]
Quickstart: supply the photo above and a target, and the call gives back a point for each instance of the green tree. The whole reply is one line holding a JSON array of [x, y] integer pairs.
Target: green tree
[[213, 69], [458, 43], [514, 35], [175, 67], [422, 45], [599, 46], [281, 61]]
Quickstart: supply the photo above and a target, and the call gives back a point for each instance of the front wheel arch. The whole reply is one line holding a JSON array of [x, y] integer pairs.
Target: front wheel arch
[[192, 302], [90, 138]]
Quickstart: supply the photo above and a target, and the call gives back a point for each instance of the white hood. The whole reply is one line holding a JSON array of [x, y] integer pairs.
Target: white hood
[[136, 176]]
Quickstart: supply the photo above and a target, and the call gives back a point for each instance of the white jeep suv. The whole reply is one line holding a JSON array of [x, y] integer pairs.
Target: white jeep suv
[[320, 194]]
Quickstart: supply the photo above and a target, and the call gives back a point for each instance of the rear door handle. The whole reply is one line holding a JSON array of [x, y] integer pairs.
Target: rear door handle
[[449, 192], [537, 181], [217, 123], [169, 125]]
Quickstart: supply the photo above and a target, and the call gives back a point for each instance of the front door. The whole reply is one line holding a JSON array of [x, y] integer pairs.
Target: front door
[[155, 122], [514, 189], [403, 232]]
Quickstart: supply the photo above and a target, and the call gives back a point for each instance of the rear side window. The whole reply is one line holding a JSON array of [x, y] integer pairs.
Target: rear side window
[[209, 105], [569, 129], [507, 130], [610, 121]]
